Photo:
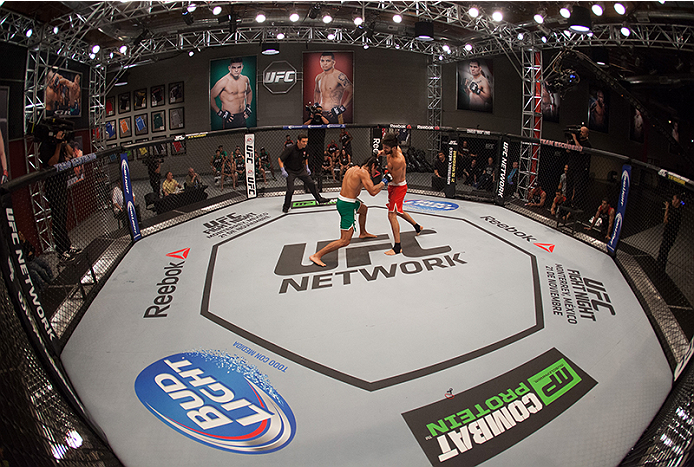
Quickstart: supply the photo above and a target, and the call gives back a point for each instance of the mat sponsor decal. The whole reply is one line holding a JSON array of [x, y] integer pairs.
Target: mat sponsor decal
[[230, 224], [516, 232], [430, 206], [575, 297], [217, 400], [311, 203], [254, 354], [167, 286], [477, 424]]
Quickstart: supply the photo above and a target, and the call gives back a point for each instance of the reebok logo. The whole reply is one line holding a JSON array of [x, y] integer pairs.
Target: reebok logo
[[167, 285]]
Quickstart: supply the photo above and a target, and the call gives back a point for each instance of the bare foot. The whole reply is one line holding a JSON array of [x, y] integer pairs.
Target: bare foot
[[366, 235], [316, 260], [391, 252]]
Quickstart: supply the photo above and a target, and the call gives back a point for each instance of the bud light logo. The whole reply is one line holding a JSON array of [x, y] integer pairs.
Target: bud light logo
[[424, 205], [217, 400]]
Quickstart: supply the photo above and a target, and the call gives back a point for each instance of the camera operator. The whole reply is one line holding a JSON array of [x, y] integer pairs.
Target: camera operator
[[580, 137], [579, 163], [153, 164], [51, 152], [316, 140]]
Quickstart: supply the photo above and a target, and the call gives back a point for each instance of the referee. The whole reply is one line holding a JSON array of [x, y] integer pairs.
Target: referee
[[294, 164]]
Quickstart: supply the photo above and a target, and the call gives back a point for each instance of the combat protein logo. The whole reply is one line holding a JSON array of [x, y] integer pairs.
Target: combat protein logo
[[218, 401]]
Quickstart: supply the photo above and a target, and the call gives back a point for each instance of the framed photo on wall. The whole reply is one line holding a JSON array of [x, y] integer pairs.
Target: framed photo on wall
[[156, 96], [124, 127], [141, 127], [110, 129], [176, 119], [110, 106], [550, 104], [176, 93], [63, 92], [475, 85], [129, 152], [140, 99], [637, 128], [598, 108], [141, 152], [158, 121], [220, 71], [329, 81], [159, 148], [178, 148], [123, 103]]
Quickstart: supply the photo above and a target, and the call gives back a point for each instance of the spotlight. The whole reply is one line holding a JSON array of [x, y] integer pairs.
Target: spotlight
[[260, 17], [565, 12], [424, 31], [294, 17], [96, 48], [580, 20], [468, 47], [232, 24], [597, 9], [191, 53], [331, 36], [110, 55], [123, 49], [280, 35], [520, 36], [358, 20], [192, 7], [497, 16], [601, 56], [92, 56], [544, 39], [314, 12], [446, 48], [626, 31], [270, 48], [474, 12], [397, 18], [539, 18], [619, 8], [188, 17], [366, 46], [327, 18], [441, 58], [216, 10], [55, 29], [29, 32]]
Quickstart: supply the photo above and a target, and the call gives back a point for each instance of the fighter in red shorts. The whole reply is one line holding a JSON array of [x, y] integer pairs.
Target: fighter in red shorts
[[396, 189]]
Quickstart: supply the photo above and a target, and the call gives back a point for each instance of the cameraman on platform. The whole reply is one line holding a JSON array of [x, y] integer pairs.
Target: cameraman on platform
[[579, 163], [54, 150], [316, 140]]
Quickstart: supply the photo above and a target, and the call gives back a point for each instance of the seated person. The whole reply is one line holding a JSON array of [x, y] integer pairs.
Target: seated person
[[559, 199], [239, 169], [216, 163], [192, 179], [536, 197], [328, 164], [472, 174], [169, 186], [488, 178], [345, 161], [336, 165], [606, 215], [118, 203], [227, 170], [259, 171], [332, 148], [266, 162]]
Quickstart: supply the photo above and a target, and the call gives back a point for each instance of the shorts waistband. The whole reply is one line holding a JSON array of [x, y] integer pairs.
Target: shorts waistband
[[403, 183], [347, 200]]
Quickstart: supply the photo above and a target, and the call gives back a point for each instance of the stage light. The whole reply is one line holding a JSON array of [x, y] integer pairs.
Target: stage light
[[29, 32], [424, 31], [122, 79], [55, 29], [366, 46], [260, 17], [597, 9], [188, 17], [327, 18], [441, 58], [544, 39], [474, 12], [96, 48], [539, 18], [270, 48], [397, 18], [331, 36], [314, 12], [497, 16], [565, 12], [123, 49], [580, 20], [468, 47], [73, 439], [216, 10], [358, 20], [446, 48], [601, 56], [192, 7], [191, 53], [109, 55], [294, 17], [625, 30], [280, 35], [92, 55], [619, 8], [520, 36]]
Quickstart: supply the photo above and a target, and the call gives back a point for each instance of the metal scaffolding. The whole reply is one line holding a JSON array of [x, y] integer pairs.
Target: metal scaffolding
[[531, 126], [434, 104]]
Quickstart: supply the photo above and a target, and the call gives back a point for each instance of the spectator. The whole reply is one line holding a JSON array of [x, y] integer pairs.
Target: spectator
[[672, 220], [440, 172], [266, 162], [227, 171], [154, 173], [512, 180], [536, 197], [488, 178], [346, 141], [559, 200], [288, 142], [606, 215], [216, 164], [328, 164], [345, 162], [192, 179], [463, 159], [170, 185], [118, 203], [259, 171], [472, 174]]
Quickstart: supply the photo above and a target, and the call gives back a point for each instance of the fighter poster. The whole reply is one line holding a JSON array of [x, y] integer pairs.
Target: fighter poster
[[329, 82], [233, 93], [476, 85], [63, 93]]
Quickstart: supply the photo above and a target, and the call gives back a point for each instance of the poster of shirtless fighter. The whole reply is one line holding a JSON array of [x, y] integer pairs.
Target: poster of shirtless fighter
[[233, 93], [475, 85], [328, 81], [63, 93]]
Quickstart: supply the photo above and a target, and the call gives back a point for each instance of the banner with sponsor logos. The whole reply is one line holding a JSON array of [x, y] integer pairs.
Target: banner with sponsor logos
[[625, 182], [471, 427], [129, 199], [249, 155]]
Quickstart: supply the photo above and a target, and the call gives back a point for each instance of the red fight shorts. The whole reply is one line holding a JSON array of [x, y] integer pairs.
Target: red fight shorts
[[396, 196]]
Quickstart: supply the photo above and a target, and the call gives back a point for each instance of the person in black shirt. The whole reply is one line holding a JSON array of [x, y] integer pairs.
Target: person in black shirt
[[294, 164], [346, 141], [52, 153], [440, 171], [672, 220], [316, 142]]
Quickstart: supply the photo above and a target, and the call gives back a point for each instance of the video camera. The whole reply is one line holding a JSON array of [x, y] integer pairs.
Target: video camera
[[572, 130], [45, 131], [312, 108]]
